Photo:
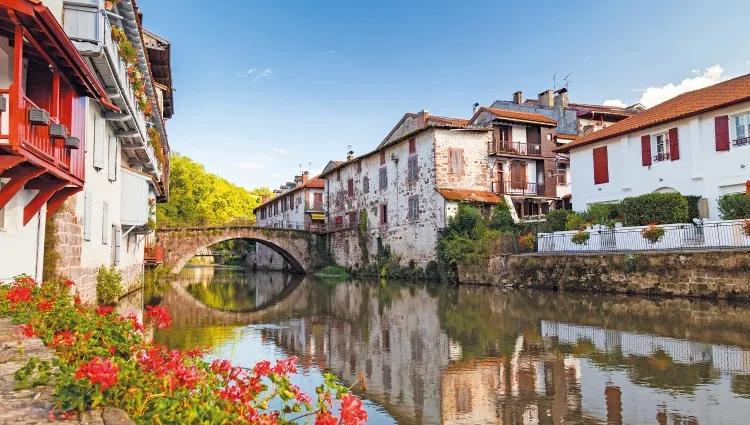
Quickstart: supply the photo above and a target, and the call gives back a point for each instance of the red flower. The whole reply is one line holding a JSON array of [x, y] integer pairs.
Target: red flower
[[27, 330], [63, 338], [19, 294], [77, 300], [300, 396], [263, 368], [69, 283], [104, 310], [99, 371], [285, 366], [325, 418], [44, 306], [352, 412], [160, 316], [112, 349], [136, 325]]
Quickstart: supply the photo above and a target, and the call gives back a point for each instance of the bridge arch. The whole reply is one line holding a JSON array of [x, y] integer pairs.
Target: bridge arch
[[181, 245]]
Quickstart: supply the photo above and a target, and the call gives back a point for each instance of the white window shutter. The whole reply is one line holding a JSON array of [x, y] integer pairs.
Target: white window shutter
[[98, 143], [105, 224], [118, 237], [87, 216], [112, 166]]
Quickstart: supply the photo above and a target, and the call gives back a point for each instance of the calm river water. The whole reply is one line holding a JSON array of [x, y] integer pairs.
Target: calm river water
[[433, 354]]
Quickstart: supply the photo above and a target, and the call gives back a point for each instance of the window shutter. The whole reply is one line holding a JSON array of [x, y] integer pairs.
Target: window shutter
[[112, 166], [601, 166], [105, 223], [98, 143], [646, 150], [118, 237], [87, 216], [721, 125], [674, 145]]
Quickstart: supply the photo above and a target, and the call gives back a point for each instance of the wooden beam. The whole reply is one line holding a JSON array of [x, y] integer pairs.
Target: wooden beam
[[22, 172], [16, 184], [114, 116], [9, 161], [60, 197], [40, 199], [127, 133]]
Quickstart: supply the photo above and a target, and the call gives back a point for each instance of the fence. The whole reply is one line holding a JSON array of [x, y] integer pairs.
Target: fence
[[677, 237]]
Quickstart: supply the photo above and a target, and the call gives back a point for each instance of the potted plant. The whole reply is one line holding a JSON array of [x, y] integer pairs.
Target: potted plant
[[581, 237], [109, 4], [653, 233]]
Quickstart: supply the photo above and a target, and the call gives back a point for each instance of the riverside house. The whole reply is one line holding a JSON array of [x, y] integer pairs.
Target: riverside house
[[697, 143]]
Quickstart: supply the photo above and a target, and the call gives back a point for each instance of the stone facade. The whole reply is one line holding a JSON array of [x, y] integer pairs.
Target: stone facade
[[703, 274], [265, 258]]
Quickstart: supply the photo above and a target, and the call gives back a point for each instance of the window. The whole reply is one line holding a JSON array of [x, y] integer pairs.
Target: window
[[291, 203], [382, 158], [338, 221], [359, 166], [413, 208], [275, 208], [352, 217], [601, 165], [412, 146], [112, 159], [338, 175], [742, 130], [81, 20], [366, 185], [350, 188], [383, 178], [518, 175], [562, 174], [456, 157], [383, 214], [318, 201], [412, 171], [662, 147]]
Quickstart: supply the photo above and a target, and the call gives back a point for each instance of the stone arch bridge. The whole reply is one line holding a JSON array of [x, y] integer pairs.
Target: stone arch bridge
[[298, 247]]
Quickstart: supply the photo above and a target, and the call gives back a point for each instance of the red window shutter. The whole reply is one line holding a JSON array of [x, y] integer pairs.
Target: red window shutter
[[382, 158], [646, 150], [412, 145], [721, 125], [674, 145], [350, 187], [601, 166]]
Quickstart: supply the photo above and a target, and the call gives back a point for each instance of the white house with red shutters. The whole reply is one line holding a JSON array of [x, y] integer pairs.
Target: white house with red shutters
[[697, 143]]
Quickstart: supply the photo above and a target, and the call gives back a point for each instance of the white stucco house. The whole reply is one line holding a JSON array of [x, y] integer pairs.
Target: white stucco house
[[697, 143]]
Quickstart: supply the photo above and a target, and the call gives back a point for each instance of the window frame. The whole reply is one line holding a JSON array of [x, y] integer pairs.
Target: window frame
[[461, 165], [665, 155], [412, 168], [350, 188], [366, 184], [383, 178], [383, 213], [412, 215], [734, 136]]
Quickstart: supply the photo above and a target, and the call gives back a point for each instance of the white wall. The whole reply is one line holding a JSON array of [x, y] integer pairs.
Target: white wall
[[21, 247], [699, 171], [291, 218]]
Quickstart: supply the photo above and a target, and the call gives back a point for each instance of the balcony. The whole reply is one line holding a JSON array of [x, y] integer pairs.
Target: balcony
[[514, 188], [153, 255], [315, 206], [741, 141], [136, 194], [515, 148], [661, 157]]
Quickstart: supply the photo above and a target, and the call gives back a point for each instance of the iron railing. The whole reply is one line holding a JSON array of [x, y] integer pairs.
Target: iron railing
[[662, 157], [677, 237], [314, 206], [515, 148], [741, 141], [518, 188]]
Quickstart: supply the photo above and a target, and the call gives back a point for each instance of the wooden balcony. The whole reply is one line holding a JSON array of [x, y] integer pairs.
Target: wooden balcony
[[515, 148], [153, 255], [314, 206], [521, 188]]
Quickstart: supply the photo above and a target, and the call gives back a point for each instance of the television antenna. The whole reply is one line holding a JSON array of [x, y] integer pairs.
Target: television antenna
[[567, 81]]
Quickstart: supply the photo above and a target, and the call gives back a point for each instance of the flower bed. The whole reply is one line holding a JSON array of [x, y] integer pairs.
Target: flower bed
[[105, 359]]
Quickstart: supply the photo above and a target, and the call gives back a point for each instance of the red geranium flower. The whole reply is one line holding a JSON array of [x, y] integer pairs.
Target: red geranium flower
[[352, 412], [325, 418], [19, 294], [104, 310], [44, 306], [159, 315], [99, 371], [27, 330]]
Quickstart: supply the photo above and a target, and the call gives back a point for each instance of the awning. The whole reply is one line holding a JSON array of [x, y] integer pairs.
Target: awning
[[318, 216]]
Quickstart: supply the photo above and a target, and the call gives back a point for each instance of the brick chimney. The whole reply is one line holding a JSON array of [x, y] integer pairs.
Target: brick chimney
[[422, 118], [518, 97], [305, 175], [546, 98], [297, 181], [349, 156], [561, 96]]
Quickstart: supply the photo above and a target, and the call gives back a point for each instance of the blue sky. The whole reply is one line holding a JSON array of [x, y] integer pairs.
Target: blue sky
[[264, 86]]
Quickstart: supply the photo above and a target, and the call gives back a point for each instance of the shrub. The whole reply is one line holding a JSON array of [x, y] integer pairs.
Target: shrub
[[581, 237], [746, 228], [734, 206], [432, 271], [693, 211], [108, 285], [657, 208], [502, 218], [557, 220], [575, 222], [602, 213], [653, 233], [527, 242]]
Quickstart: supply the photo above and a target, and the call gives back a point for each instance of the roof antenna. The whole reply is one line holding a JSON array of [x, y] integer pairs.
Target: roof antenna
[[554, 81], [566, 80]]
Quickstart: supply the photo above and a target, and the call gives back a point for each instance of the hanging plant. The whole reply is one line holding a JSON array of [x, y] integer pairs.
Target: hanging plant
[[109, 4], [653, 233], [581, 237], [129, 54], [154, 140]]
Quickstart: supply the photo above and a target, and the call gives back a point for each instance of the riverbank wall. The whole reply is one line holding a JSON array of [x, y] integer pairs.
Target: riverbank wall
[[699, 274]]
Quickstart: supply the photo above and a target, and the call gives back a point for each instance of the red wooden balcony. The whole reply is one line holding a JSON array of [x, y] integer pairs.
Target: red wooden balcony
[[153, 255], [518, 188], [498, 147]]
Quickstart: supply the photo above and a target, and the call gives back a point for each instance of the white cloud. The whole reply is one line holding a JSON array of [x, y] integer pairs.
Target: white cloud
[[251, 70], [332, 52], [615, 102], [281, 151], [213, 74], [249, 165], [656, 95], [587, 58], [266, 73]]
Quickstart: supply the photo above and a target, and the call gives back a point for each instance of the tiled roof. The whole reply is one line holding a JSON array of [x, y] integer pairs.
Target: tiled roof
[[470, 196], [566, 136], [687, 104], [516, 116], [448, 120], [313, 183]]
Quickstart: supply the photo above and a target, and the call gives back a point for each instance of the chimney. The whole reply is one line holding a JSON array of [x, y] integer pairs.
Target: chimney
[[349, 156], [422, 118], [297, 181], [518, 97], [546, 99], [476, 108], [263, 199], [305, 174], [561, 96]]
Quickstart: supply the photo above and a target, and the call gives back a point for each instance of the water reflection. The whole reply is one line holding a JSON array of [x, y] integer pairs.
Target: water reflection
[[438, 355]]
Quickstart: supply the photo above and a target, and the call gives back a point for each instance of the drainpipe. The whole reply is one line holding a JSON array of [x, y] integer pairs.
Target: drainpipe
[[39, 241]]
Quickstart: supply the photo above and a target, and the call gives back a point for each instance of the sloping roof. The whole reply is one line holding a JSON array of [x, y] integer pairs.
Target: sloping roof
[[448, 120], [685, 105], [583, 109], [463, 195], [313, 183], [159, 55], [566, 136], [524, 117]]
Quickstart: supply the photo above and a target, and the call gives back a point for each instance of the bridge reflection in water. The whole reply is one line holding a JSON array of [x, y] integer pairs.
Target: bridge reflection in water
[[438, 355]]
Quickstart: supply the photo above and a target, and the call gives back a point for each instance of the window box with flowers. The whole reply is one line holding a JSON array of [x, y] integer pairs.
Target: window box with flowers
[[653, 233]]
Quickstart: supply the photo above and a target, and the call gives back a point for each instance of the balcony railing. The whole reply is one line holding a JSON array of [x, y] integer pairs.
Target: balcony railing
[[661, 157], [153, 254], [741, 141], [518, 188], [314, 206], [515, 148]]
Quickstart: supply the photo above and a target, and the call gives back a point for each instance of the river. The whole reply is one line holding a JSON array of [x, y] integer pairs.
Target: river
[[433, 354]]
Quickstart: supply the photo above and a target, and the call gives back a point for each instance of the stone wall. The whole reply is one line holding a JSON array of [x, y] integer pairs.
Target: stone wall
[[705, 274], [266, 258]]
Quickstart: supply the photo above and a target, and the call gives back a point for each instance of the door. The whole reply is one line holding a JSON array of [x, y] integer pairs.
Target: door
[[518, 175]]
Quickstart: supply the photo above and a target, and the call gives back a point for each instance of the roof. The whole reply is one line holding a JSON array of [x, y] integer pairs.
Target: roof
[[525, 117], [159, 55], [313, 183], [583, 109], [448, 120], [464, 195], [695, 102], [566, 136]]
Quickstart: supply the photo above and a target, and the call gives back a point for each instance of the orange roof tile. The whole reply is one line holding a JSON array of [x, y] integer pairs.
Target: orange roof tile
[[448, 120], [313, 183], [687, 104], [566, 136], [470, 196], [516, 116]]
